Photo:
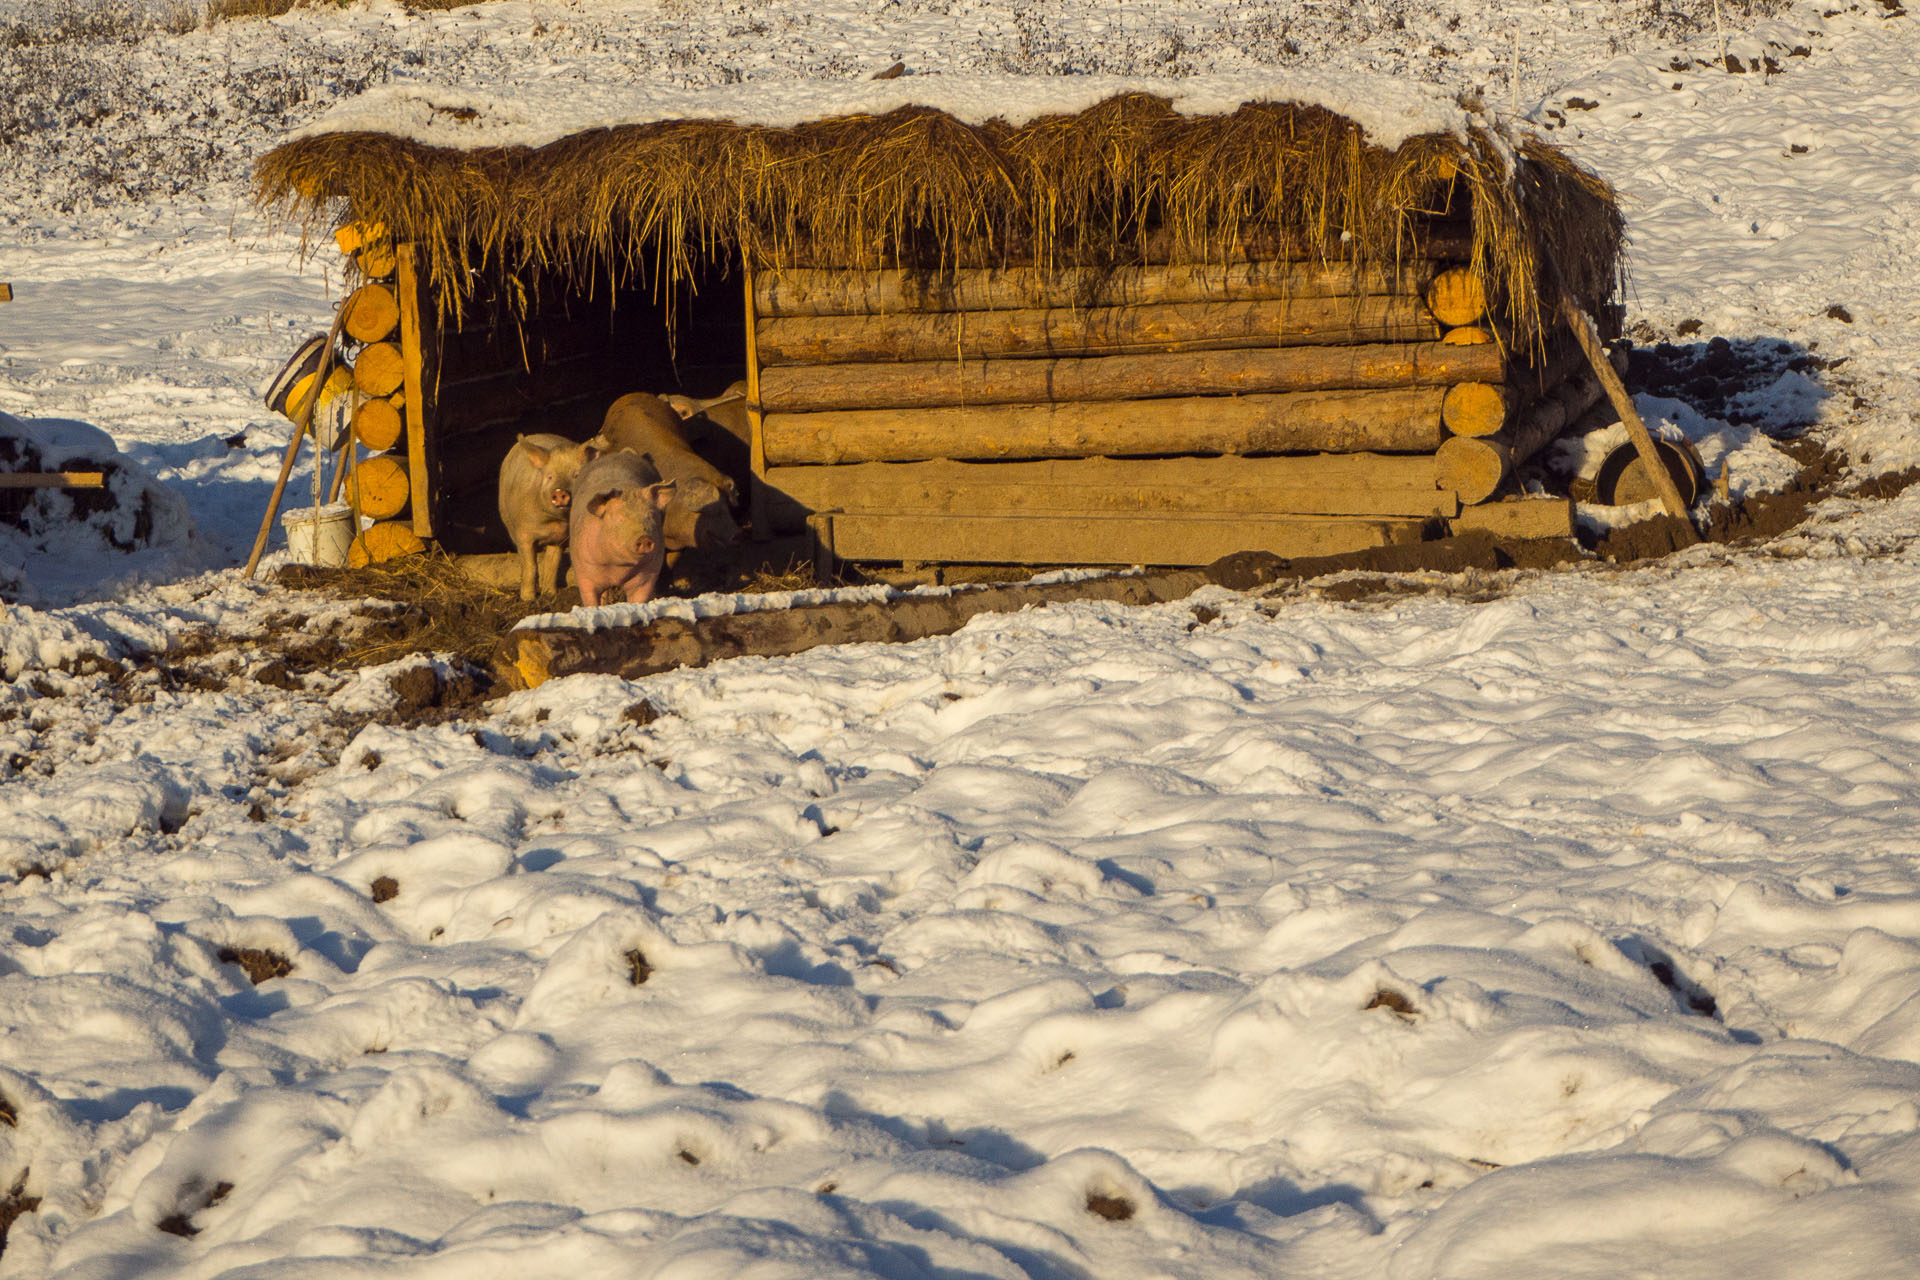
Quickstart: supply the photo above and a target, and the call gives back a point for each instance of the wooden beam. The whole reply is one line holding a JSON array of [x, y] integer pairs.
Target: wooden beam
[[1106, 378], [1389, 420], [806, 292], [756, 426], [409, 288], [53, 479], [1373, 486], [1091, 537], [1094, 331], [1526, 518], [1589, 339]]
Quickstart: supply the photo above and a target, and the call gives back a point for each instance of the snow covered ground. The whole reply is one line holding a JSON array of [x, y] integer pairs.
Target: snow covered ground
[[1553, 925]]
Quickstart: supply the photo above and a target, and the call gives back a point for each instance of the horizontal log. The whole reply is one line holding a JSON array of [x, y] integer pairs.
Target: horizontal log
[[1106, 378], [1089, 537], [1393, 486], [803, 292], [380, 486], [1064, 331], [378, 425], [1437, 241], [1388, 420], [53, 479], [1476, 467]]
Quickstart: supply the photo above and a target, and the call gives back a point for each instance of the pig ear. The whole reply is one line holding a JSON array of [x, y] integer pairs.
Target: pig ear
[[683, 406], [593, 448], [538, 455], [598, 502], [660, 494]]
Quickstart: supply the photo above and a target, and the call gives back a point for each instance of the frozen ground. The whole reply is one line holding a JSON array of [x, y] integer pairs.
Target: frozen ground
[[1566, 925]]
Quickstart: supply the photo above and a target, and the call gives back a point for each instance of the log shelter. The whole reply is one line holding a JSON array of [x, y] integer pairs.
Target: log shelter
[[1132, 333]]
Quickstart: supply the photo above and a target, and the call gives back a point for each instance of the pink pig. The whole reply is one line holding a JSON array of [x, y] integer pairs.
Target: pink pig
[[616, 537]]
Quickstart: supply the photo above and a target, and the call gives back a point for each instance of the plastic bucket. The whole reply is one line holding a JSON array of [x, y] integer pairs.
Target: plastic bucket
[[319, 535]]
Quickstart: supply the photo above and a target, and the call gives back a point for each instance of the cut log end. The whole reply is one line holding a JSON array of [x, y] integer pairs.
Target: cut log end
[[1474, 409], [381, 486], [380, 369], [1456, 297], [372, 314], [387, 540], [377, 424], [1473, 468]]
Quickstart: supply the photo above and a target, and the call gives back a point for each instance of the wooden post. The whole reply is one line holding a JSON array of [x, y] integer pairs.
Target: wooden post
[[301, 423], [756, 427], [6, 293], [412, 350]]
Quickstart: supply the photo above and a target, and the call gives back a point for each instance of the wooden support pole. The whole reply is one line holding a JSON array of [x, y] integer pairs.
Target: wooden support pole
[[1095, 331], [408, 288], [301, 422], [1588, 337], [805, 292], [1105, 378], [756, 425], [1389, 420]]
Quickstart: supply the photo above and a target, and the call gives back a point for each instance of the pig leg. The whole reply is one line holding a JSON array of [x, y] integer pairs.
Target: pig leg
[[527, 552], [549, 569]]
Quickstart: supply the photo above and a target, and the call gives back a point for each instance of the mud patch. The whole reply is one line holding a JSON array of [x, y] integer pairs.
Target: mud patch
[[259, 964], [13, 1204]]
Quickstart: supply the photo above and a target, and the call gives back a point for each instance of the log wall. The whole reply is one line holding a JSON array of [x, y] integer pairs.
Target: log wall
[[1157, 412]]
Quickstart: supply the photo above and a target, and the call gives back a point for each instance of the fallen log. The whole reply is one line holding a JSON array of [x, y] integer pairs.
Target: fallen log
[[1388, 420], [531, 657], [805, 292], [1103, 331], [1099, 537], [931, 384]]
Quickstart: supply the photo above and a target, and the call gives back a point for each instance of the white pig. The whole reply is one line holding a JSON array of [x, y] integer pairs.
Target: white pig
[[616, 537]]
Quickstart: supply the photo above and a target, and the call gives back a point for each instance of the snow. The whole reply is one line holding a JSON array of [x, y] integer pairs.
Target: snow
[[1540, 924], [1389, 111]]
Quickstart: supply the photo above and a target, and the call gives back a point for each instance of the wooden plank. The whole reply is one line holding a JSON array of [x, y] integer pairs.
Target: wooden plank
[[1526, 518], [409, 286], [756, 425], [6, 293], [1392, 486], [1095, 538], [1106, 378], [1105, 331], [808, 292], [53, 479], [1388, 420]]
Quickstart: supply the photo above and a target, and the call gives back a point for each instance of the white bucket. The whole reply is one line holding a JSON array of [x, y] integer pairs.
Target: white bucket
[[319, 535]]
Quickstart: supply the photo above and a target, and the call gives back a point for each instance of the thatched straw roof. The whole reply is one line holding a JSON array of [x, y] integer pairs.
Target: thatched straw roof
[[919, 185]]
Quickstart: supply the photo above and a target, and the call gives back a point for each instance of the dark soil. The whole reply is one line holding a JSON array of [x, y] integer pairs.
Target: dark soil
[[1112, 1208], [260, 965], [15, 1202]]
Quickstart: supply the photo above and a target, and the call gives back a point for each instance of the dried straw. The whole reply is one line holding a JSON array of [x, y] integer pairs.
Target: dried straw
[[917, 187]]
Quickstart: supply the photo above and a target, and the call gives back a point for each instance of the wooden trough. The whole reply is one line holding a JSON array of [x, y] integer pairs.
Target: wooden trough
[[1145, 376]]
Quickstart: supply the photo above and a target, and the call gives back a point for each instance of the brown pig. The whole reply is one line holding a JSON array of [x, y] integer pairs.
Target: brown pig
[[536, 483], [700, 513], [617, 541]]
